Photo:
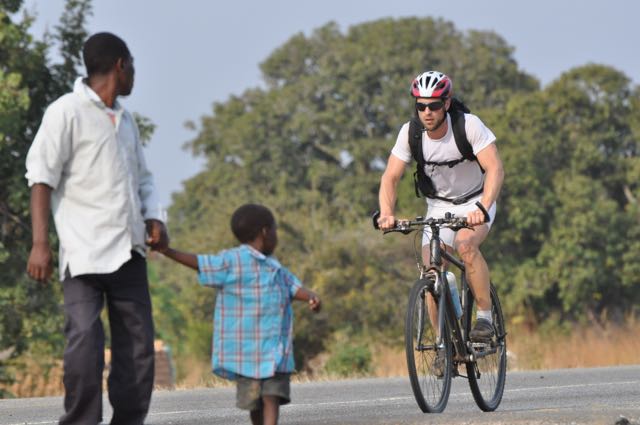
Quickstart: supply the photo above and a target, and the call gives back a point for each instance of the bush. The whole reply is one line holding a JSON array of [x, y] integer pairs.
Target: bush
[[349, 360]]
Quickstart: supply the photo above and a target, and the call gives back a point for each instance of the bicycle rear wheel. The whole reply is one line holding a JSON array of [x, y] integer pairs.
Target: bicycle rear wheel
[[428, 361], [487, 374]]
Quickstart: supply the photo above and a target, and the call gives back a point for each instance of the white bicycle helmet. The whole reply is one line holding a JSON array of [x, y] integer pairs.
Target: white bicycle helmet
[[431, 84]]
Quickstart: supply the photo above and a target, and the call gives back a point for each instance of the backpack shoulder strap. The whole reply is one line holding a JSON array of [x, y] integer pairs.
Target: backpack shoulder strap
[[415, 141], [457, 111]]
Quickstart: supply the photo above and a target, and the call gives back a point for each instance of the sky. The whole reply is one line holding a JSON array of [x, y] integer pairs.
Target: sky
[[194, 53]]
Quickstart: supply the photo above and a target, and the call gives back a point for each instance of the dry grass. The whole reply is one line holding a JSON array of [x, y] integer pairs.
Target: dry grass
[[196, 373], [37, 379], [389, 362], [587, 346]]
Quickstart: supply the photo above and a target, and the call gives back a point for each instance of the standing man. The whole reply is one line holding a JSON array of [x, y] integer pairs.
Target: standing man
[[458, 172], [86, 165]]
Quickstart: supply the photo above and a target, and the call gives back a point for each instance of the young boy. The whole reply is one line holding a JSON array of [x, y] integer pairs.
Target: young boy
[[252, 339]]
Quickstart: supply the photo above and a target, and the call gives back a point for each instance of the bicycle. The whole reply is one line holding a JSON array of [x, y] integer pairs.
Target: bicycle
[[436, 340]]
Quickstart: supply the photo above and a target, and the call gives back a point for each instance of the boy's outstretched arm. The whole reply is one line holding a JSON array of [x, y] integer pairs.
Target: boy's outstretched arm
[[185, 258], [311, 297]]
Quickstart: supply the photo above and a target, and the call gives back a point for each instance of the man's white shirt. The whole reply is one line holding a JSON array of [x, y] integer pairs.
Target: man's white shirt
[[102, 188], [450, 182]]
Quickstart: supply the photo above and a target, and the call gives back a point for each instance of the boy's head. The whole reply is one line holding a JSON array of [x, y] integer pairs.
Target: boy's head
[[255, 223]]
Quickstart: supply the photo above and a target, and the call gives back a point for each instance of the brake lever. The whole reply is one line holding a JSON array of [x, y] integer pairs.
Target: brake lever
[[487, 217], [375, 217]]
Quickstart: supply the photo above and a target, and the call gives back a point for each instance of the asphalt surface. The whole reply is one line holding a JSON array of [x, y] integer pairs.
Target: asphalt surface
[[569, 396]]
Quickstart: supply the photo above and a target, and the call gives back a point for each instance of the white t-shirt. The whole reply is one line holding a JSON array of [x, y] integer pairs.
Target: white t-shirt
[[450, 182]]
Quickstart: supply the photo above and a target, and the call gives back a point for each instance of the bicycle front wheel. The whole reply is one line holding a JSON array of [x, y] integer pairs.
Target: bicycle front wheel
[[428, 357], [487, 374]]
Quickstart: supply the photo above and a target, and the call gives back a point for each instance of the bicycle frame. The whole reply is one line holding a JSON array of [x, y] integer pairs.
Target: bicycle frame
[[463, 348], [446, 310], [464, 351], [435, 350]]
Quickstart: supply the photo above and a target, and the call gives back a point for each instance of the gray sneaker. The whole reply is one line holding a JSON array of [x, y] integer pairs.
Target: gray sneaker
[[482, 331]]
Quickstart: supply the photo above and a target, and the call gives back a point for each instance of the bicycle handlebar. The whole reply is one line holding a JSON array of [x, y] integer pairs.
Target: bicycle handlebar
[[449, 220]]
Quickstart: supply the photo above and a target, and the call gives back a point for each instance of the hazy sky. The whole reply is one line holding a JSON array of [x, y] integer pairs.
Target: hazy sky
[[191, 53]]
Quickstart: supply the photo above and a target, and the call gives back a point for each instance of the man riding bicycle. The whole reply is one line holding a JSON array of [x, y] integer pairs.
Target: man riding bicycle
[[452, 180]]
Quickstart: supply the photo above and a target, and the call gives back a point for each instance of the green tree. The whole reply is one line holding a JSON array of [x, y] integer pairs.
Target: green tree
[[564, 238], [311, 145], [30, 317]]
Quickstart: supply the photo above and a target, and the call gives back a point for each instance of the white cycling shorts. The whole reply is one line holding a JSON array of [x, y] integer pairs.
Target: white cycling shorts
[[438, 211]]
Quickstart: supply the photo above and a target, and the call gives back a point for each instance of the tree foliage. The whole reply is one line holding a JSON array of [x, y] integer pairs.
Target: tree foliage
[[30, 317], [568, 214], [311, 143]]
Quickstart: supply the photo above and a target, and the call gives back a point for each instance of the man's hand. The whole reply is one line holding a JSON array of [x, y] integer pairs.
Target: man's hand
[[386, 222], [39, 266], [157, 237], [475, 217]]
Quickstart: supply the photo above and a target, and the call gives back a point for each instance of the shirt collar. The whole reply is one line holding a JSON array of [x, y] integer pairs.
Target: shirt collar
[[83, 89], [259, 255]]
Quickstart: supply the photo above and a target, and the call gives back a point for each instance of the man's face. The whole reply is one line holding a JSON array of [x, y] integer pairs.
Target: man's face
[[126, 73], [432, 111]]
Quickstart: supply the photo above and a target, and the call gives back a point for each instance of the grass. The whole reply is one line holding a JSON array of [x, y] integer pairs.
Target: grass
[[585, 346]]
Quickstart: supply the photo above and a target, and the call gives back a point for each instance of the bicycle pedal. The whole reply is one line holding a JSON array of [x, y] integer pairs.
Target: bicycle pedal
[[480, 346]]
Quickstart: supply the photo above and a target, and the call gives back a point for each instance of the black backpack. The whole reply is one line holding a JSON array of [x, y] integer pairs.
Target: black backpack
[[423, 185]]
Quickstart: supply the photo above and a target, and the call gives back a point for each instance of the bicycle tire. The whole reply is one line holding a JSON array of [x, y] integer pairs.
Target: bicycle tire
[[487, 375], [430, 390]]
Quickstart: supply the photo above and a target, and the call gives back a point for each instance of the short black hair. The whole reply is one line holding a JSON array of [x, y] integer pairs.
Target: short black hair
[[248, 220], [101, 51]]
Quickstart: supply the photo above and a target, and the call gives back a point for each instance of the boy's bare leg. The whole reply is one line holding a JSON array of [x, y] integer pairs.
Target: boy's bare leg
[[256, 416], [270, 409]]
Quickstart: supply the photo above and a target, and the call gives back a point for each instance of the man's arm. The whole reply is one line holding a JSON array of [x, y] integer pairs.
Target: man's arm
[[388, 191], [152, 211], [39, 265], [490, 161]]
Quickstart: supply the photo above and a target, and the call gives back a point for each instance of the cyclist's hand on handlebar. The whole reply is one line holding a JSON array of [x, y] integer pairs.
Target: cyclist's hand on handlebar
[[386, 222], [475, 217]]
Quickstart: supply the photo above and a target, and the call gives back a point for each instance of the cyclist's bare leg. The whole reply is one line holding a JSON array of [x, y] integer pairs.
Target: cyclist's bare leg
[[468, 246], [432, 307]]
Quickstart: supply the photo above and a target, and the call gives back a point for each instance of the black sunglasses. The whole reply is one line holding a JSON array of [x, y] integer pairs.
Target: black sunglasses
[[433, 106]]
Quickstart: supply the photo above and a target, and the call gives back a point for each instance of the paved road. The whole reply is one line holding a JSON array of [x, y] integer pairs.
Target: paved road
[[571, 396]]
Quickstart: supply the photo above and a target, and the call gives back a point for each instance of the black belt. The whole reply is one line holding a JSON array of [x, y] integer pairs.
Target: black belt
[[460, 200]]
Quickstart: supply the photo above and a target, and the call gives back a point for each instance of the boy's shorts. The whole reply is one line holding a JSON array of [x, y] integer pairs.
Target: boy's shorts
[[250, 391]]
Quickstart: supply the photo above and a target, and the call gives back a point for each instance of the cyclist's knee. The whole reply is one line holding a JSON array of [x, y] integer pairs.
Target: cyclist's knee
[[468, 250]]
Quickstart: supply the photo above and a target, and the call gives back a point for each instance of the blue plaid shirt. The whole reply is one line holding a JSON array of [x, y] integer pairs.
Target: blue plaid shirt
[[253, 318]]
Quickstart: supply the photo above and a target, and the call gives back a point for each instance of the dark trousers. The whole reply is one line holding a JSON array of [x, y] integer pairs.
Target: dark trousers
[[130, 382]]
